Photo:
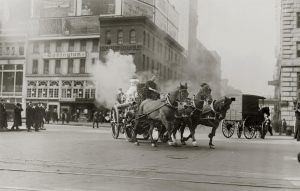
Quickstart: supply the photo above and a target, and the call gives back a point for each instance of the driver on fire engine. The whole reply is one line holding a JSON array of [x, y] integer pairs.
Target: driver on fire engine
[[151, 89], [120, 96]]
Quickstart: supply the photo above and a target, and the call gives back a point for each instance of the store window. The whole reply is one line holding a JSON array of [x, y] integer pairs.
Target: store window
[[58, 46], [19, 81], [8, 81], [21, 49], [95, 45]]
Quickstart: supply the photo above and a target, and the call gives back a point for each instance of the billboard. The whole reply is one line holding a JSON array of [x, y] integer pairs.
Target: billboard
[[53, 8], [138, 8], [98, 7]]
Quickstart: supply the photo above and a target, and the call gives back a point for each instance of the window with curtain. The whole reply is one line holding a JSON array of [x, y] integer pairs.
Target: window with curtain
[[132, 37]]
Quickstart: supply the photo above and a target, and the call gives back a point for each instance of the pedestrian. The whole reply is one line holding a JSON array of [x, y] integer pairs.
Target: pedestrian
[[283, 126], [36, 116], [17, 117], [96, 119], [68, 118], [29, 116], [63, 117], [297, 126], [101, 118], [267, 122], [55, 116], [3, 115], [42, 116], [48, 116]]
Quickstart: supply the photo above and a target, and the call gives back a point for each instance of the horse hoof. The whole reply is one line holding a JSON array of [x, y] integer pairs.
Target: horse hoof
[[212, 146], [171, 143], [195, 144], [137, 143], [183, 143], [153, 145]]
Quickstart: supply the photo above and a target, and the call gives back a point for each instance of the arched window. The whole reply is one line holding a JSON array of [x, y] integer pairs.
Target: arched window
[[132, 37], [120, 37], [107, 37]]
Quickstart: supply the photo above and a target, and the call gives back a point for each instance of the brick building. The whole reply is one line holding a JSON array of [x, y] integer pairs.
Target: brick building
[[153, 49], [287, 80]]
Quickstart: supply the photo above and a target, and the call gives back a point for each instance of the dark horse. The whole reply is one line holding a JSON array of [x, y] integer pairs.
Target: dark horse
[[192, 111], [210, 115], [160, 111]]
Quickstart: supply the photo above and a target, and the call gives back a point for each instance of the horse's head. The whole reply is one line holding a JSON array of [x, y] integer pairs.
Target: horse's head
[[222, 105], [203, 95], [183, 93]]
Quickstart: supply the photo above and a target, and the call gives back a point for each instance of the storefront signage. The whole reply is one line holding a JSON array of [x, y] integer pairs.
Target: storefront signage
[[121, 47], [64, 55]]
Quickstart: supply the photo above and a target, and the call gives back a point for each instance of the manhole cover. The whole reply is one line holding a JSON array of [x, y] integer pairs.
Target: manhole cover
[[176, 157]]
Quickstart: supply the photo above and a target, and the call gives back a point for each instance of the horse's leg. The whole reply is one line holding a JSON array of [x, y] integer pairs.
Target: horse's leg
[[153, 143], [134, 139], [181, 134], [193, 131], [212, 134], [169, 130]]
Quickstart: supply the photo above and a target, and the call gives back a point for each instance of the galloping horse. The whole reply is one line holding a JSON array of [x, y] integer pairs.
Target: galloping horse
[[160, 111], [191, 114], [210, 115]]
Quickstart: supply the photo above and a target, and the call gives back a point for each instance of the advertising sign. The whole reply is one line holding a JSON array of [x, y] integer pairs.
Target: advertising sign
[[54, 8], [138, 8]]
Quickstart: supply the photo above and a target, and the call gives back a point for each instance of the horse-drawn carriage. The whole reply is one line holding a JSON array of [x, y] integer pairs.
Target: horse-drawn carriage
[[245, 116]]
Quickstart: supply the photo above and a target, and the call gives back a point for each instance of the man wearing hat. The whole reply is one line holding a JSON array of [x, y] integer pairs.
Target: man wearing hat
[[17, 117], [120, 96], [29, 116], [3, 115], [151, 89]]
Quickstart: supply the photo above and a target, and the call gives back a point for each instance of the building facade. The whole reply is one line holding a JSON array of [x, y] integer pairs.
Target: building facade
[[153, 49], [60, 55], [287, 80]]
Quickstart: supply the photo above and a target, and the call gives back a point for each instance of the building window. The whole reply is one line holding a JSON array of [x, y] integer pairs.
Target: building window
[[46, 66], [21, 50], [93, 60], [93, 93], [120, 37], [82, 66], [82, 45], [144, 62], [152, 66], [57, 66], [148, 63], [148, 41], [35, 66], [95, 45], [36, 47], [107, 38], [153, 43], [132, 37], [47, 47], [70, 66], [298, 20], [298, 49], [144, 38], [71, 46], [87, 93], [58, 46]]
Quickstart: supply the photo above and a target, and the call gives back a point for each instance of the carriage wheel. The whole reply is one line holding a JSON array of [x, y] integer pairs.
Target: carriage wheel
[[115, 127], [227, 128], [249, 132]]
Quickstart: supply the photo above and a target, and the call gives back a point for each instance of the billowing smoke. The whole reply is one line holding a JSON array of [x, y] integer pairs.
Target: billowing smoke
[[112, 74]]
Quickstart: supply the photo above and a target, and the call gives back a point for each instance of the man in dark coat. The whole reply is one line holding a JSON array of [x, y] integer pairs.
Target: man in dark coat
[[42, 116], [151, 91], [297, 133], [29, 116], [96, 119], [17, 117], [3, 115]]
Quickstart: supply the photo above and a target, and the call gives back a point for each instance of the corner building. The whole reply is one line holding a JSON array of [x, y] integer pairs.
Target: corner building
[[152, 48]]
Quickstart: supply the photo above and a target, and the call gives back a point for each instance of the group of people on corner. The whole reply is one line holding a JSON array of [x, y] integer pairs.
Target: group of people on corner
[[98, 117], [35, 115], [17, 116]]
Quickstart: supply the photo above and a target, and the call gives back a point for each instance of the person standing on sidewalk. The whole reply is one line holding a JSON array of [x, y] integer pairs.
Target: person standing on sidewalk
[[96, 119], [17, 117], [29, 116], [297, 132], [63, 117], [3, 115]]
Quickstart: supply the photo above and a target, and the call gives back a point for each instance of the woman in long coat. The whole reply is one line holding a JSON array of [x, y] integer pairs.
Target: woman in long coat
[[17, 117], [3, 116]]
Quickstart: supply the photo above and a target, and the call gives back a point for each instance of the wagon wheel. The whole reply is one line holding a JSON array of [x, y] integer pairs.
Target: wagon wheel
[[115, 126], [227, 128], [249, 130]]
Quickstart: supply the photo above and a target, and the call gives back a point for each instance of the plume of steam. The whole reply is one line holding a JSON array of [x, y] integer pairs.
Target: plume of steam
[[112, 74]]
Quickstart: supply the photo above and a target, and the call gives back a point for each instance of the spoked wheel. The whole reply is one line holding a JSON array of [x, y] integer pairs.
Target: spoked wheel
[[227, 128], [115, 127], [249, 131]]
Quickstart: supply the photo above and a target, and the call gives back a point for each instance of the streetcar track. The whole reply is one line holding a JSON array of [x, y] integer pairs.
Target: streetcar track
[[156, 179], [153, 170]]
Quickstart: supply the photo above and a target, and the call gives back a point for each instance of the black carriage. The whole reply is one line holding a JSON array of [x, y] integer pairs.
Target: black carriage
[[245, 116]]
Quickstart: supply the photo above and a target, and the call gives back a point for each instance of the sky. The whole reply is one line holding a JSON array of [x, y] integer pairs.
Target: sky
[[245, 35]]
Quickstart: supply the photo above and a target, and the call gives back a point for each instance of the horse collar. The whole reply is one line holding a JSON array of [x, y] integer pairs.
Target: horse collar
[[169, 102]]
